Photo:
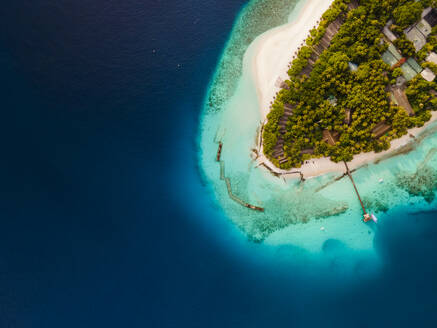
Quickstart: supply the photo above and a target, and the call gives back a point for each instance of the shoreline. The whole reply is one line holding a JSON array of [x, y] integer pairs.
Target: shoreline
[[273, 51], [320, 166], [271, 55]]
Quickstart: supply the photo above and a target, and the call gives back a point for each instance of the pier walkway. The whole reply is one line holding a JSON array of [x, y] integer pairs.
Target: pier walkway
[[348, 172], [228, 183]]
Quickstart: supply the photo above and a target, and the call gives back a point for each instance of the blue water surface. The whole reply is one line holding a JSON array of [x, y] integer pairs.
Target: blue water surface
[[105, 219]]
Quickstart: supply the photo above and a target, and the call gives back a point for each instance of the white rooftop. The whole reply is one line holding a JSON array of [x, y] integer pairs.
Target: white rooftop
[[432, 57], [428, 75]]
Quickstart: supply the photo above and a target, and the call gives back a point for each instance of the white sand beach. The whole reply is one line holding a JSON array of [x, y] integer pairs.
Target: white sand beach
[[273, 50], [319, 166], [271, 54]]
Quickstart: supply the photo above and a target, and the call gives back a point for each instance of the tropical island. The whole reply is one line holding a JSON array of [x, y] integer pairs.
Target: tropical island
[[364, 77], [317, 202]]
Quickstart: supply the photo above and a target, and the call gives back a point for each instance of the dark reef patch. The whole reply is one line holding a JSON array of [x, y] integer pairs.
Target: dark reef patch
[[294, 208], [422, 183], [332, 245], [376, 204]]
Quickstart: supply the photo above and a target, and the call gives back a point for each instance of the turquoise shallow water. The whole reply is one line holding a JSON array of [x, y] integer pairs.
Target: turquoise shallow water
[[316, 216]]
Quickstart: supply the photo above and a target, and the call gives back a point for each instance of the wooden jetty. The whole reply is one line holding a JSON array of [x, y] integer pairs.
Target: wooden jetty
[[219, 151], [366, 215], [228, 184], [278, 175], [253, 207]]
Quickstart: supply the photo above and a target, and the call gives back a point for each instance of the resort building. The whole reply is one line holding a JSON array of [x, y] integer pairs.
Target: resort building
[[400, 98], [410, 68], [419, 32], [391, 56], [432, 57], [428, 75], [380, 129], [330, 137], [414, 35]]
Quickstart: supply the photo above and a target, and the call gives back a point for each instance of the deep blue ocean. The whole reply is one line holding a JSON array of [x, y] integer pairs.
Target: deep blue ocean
[[105, 218]]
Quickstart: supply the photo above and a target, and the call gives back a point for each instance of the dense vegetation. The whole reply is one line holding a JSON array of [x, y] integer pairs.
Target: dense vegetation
[[363, 91], [407, 13]]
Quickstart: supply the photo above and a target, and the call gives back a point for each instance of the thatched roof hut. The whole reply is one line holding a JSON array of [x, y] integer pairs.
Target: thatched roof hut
[[330, 137], [402, 100], [380, 129]]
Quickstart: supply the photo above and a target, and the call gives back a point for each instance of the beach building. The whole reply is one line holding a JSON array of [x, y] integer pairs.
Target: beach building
[[391, 56], [380, 129], [428, 75], [330, 137], [419, 32], [432, 57], [411, 68], [414, 35], [309, 151], [401, 99]]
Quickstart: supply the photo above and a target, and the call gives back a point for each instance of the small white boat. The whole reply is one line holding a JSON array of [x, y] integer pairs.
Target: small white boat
[[381, 180], [374, 218], [322, 228]]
